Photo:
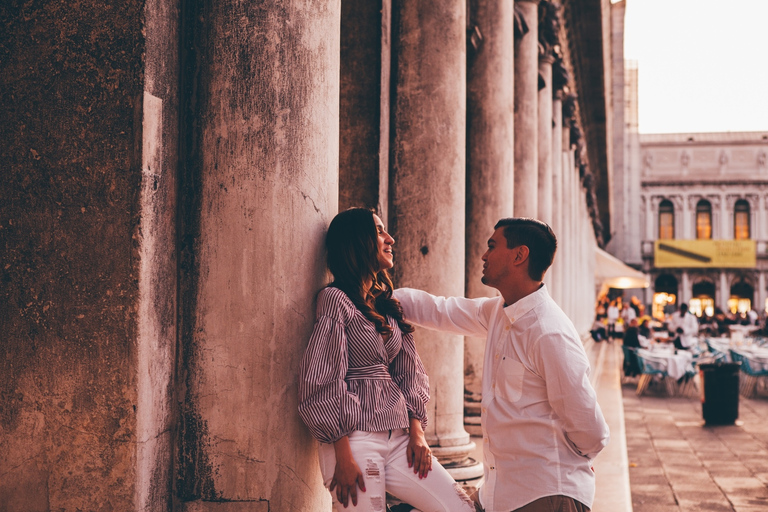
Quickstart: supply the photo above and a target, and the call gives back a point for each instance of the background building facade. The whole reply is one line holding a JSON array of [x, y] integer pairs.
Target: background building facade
[[704, 188]]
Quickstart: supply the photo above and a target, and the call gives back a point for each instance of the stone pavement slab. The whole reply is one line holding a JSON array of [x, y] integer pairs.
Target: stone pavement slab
[[676, 463]]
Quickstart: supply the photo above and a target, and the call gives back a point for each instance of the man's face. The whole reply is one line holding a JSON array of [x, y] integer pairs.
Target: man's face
[[497, 260]]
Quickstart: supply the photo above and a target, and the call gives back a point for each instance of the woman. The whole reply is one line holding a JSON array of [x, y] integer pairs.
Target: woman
[[362, 387]]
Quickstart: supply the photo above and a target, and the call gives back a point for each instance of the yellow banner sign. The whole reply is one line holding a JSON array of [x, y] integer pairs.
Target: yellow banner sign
[[705, 253]]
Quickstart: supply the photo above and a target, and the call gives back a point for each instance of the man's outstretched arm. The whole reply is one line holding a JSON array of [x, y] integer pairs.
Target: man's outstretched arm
[[457, 315]]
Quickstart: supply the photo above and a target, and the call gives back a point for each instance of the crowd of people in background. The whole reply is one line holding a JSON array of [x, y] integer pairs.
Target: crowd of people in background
[[618, 318]]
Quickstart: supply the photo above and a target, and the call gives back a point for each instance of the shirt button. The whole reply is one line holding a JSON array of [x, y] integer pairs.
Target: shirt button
[[485, 439], [497, 356], [493, 467], [506, 328]]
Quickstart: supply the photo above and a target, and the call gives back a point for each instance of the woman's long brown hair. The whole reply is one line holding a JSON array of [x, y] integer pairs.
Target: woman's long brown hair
[[352, 248]]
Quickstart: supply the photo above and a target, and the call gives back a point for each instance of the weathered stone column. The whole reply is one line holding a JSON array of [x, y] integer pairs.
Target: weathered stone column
[[428, 193], [526, 113], [557, 274], [263, 172], [544, 139], [88, 141], [761, 292], [490, 162], [364, 105]]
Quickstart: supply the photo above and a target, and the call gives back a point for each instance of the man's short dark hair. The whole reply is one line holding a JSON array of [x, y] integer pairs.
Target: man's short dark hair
[[535, 235]]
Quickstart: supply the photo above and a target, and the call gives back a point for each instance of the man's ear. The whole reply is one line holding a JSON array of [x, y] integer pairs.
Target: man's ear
[[522, 254]]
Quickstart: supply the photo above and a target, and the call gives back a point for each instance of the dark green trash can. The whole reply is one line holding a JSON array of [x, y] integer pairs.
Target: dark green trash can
[[720, 393]]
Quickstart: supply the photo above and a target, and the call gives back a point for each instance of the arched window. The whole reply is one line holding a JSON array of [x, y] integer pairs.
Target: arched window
[[741, 220], [704, 220], [666, 220]]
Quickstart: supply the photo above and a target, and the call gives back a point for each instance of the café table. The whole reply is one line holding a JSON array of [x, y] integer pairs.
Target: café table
[[676, 363]]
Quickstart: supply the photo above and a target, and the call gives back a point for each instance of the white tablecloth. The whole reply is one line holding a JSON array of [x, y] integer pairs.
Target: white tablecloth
[[675, 364]]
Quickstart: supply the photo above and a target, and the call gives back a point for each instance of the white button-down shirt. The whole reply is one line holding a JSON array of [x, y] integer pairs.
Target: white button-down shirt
[[540, 418], [689, 325]]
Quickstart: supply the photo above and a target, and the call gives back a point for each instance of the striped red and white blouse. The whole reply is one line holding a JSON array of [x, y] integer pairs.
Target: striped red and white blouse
[[351, 379]]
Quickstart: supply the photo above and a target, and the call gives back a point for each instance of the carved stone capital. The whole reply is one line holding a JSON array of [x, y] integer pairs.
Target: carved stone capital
[[730, 200], [655, 201], [677, 201], [753, 200], [693, 200], [714, 201], [762, 158]]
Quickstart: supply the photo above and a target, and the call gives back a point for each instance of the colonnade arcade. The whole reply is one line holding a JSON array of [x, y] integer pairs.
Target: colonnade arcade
[[165, 281], [735, 291]]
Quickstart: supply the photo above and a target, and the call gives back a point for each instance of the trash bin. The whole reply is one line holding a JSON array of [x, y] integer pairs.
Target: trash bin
[[720, 392]]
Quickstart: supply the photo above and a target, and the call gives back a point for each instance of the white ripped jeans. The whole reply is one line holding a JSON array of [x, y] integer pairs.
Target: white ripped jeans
[[382, 460]]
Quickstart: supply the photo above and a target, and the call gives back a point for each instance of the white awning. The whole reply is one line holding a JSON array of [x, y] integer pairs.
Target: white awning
[[611, 272]]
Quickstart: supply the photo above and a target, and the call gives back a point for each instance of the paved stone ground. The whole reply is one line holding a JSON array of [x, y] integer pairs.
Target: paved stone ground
[[678, 464]]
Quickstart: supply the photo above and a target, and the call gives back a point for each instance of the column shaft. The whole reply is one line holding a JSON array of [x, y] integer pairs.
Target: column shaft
[[526, 114], [428, 193], [544, 140], [490, 156], [364, 105], [725, 291], [557, 275], [266, 178]]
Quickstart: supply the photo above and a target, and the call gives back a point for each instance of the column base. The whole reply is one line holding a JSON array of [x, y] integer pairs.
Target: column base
[[472, 418]]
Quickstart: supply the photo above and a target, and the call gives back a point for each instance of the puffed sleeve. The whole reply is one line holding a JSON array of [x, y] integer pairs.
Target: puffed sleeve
[[325, 404], [408, 373]]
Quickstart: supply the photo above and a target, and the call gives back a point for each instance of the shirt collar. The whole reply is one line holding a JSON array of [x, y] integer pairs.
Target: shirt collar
[[527, 303]]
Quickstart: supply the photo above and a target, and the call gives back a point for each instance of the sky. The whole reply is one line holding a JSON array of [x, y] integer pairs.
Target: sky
[[702, 64]]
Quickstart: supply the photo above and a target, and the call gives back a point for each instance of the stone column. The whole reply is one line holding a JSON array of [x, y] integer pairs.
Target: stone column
[[490, 161], [567, 217], [364, 105], [761, 292], [689, 217], [557, 274], [526, 114], [544, 139], [725, 291], [685, 288], [263, 172], [428, 195], [88, 215], [719, 205]]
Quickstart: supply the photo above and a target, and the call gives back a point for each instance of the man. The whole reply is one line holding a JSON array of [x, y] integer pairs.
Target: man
[[541, 422], [613, 316], [684, 327]]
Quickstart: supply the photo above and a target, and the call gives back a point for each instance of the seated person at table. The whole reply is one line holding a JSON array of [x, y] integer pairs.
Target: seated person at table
[[683, 327], [644, 329], [633, 339], [598, 330]]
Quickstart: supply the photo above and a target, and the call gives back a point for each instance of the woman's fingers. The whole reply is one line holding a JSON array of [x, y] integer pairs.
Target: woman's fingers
[[426, 464]]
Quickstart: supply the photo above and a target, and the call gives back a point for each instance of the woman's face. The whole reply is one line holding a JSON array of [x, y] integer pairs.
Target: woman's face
[[384, 244]]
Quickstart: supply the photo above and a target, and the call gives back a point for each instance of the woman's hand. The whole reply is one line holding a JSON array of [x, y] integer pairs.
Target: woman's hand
[[347, 476], [418, 452]]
